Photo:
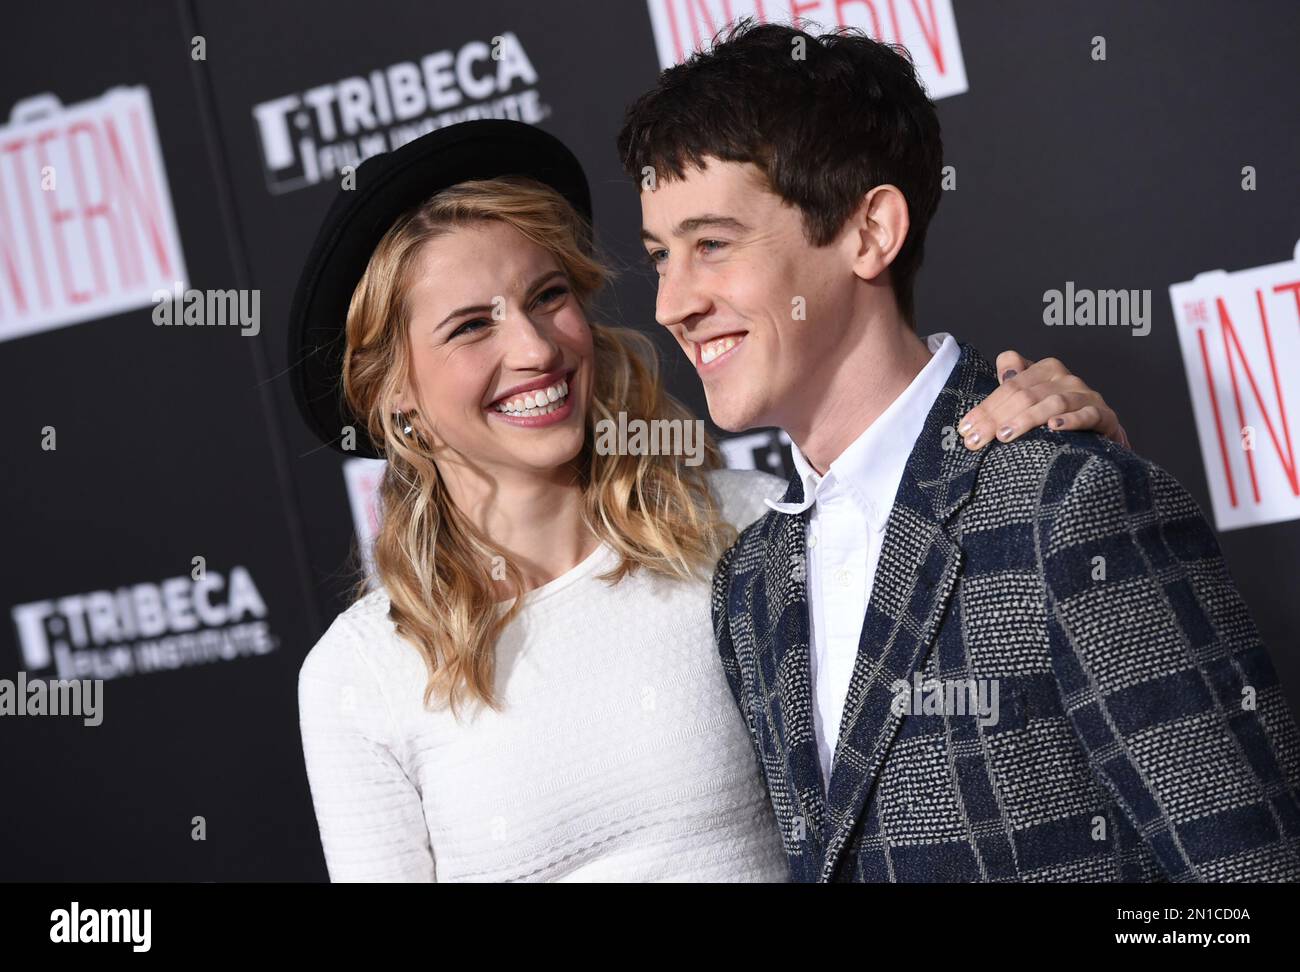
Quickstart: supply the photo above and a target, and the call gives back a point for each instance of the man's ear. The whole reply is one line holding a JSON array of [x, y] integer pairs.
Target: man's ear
[[877, 230]]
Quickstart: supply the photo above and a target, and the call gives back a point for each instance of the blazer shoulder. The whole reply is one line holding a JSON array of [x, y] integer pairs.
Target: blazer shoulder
[[1083, 468], [1039, 449], [1047, 464], [1083, 487], [1048, 474]]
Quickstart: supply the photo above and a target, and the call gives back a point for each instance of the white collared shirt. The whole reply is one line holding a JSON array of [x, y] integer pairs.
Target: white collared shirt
[[850, 506]]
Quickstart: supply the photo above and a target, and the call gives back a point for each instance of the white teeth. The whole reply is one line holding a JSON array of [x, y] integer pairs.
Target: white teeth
[[714, 348], [542, 401]]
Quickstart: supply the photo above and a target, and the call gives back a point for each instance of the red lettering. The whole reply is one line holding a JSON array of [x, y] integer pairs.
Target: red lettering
[[871, 9], [1231, 343], [671, 7], [139, 200], [930, 31], [797, 9], [88, 211], [700, 42], [1218, 421], [57, 218]]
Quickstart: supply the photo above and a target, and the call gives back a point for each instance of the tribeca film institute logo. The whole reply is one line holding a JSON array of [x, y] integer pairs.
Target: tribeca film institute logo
[[310, 136], [194, 619]]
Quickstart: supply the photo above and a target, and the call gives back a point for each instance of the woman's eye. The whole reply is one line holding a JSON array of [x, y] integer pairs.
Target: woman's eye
[[469, 327], [655, 257], [552, 294]]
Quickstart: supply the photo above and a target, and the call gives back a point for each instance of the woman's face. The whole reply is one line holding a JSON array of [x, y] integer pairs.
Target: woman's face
[[501, 353]]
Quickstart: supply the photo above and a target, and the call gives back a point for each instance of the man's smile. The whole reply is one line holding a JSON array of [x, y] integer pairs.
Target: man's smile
[[713, 352]]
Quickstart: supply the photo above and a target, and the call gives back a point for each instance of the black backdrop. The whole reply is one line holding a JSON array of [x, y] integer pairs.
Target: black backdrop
[[174, 443]]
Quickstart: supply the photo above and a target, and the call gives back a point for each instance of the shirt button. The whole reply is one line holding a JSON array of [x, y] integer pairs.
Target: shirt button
[[812, 540], [844, 576]]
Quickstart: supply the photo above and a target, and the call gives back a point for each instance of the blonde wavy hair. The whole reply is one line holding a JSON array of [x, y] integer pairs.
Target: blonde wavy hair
[[655, 512]]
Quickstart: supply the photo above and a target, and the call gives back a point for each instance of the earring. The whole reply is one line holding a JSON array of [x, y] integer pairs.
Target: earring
[[403, 424]]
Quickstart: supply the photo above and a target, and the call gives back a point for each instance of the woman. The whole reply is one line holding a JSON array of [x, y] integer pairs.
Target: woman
[[531, 692]]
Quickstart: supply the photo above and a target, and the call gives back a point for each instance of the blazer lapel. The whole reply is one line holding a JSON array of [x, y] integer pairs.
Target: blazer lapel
[[919, 563], [778, 605]]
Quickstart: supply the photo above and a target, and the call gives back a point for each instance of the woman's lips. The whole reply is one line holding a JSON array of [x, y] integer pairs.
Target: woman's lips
[[538, 421], [545, 381]]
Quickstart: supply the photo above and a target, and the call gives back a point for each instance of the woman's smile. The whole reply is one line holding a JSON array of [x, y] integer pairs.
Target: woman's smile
[[537, 404]]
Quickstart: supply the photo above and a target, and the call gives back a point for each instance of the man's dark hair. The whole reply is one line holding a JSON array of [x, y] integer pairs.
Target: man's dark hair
[[825, 130]]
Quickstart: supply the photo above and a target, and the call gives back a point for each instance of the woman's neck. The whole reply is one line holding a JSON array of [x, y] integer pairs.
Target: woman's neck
[[534, 519]]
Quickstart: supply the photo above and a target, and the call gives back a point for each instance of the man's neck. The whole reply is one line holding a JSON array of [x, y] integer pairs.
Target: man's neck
[[866, 378]]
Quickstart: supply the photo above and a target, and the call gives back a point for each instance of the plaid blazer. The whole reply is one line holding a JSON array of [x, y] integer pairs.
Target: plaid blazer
[[1142, 733]]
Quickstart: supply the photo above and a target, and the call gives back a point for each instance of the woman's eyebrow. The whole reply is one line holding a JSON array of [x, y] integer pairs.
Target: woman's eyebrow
[[486, 308]]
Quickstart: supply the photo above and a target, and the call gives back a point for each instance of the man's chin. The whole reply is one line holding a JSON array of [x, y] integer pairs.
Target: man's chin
[[733, 416]]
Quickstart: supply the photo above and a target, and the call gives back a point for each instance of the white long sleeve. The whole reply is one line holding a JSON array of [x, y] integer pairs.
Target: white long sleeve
[[369, 811], [619, 754]]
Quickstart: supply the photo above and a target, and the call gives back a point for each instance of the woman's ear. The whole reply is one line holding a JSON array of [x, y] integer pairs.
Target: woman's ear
[[879, 228], [402, 401]]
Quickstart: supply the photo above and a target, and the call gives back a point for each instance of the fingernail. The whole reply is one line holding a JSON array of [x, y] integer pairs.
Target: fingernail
[[973, 439], [1005, 432], [1057, 422], [1009, 374], [964, 427]]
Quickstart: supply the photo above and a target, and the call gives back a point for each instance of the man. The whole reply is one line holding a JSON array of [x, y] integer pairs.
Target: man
[[1023, 661]]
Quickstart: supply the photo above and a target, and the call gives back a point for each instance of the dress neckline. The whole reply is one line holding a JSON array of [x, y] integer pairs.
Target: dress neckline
[[584, 568]]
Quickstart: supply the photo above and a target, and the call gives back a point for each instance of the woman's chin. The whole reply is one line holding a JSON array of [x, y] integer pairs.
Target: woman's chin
[[545, 457]]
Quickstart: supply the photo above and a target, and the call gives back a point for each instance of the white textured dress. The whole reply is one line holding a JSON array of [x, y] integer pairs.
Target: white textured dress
[[619, 754]]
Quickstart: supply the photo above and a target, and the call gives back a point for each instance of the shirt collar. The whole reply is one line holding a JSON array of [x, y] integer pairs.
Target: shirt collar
[[871, 468], [808, 477]]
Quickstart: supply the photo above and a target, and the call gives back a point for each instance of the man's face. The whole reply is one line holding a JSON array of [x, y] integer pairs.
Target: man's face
[[759, 310]]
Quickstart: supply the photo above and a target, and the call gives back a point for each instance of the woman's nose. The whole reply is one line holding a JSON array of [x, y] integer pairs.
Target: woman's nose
[[531, 343]]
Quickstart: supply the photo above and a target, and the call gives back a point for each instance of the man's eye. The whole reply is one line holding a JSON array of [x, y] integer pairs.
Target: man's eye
[[712, 246], [469, 326]]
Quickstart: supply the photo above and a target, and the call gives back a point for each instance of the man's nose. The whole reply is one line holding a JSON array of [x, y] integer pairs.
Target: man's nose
[[680, 296]]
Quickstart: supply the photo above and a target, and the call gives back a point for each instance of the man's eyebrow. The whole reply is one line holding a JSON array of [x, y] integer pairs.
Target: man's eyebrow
[[708, 220], [487, 308]]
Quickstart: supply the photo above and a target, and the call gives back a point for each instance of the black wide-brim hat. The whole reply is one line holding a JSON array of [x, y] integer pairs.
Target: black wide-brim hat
[[388, 185]]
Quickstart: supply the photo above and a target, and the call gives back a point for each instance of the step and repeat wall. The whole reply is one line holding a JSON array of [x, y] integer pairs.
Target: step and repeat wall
[[171, 526]]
